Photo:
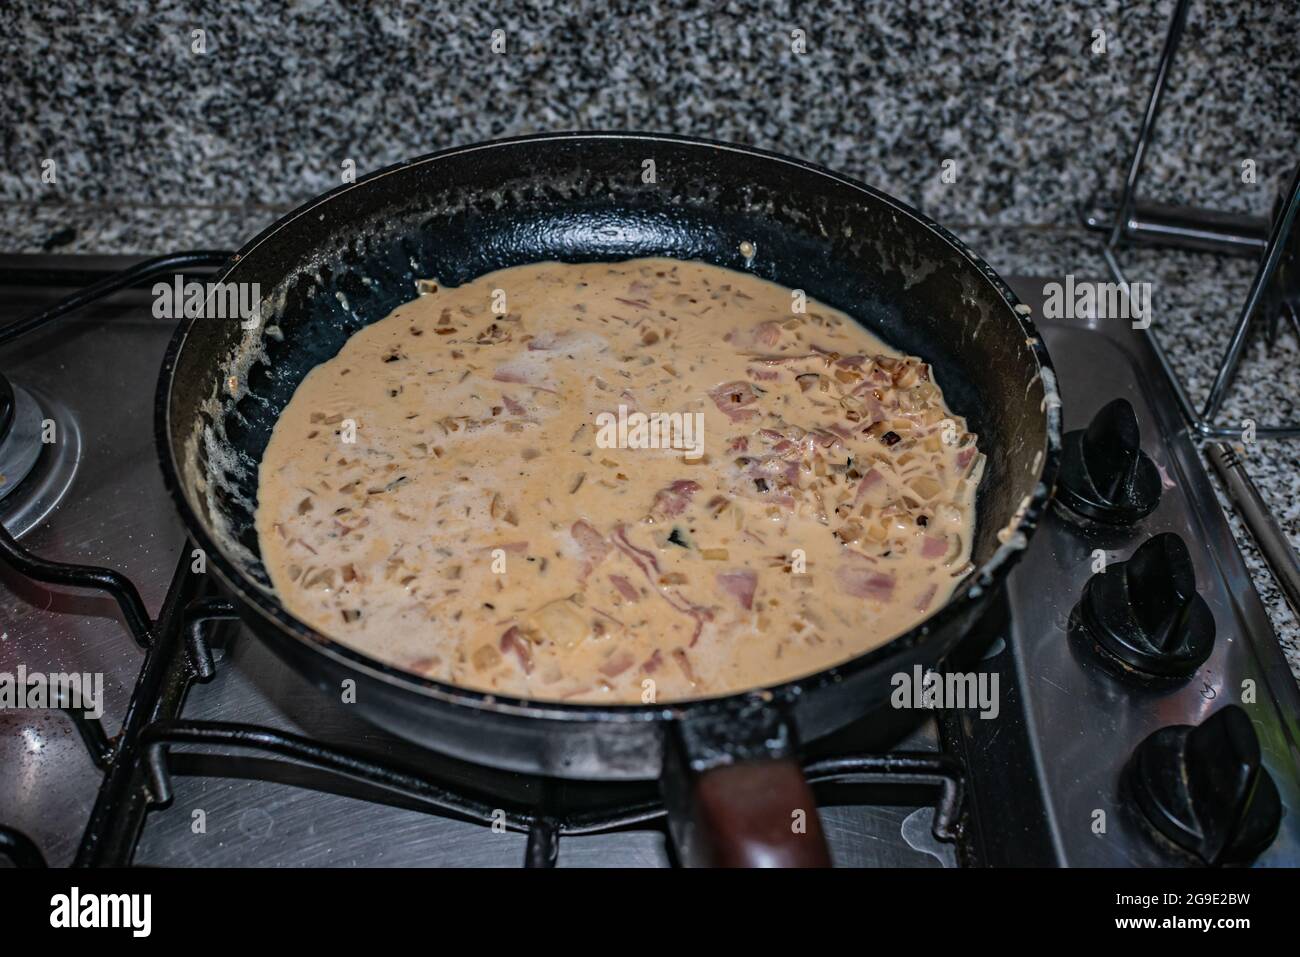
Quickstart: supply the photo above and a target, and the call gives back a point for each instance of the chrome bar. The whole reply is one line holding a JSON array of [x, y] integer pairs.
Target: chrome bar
[[1273, 543], [1184, 227], [1259, 288], [1149, 121]]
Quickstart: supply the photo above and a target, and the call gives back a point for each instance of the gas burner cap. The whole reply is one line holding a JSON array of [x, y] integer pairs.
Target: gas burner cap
[[20, 436], [35, 474]]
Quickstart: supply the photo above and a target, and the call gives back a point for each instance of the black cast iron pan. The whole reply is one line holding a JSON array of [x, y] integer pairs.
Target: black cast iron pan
[[348, 258]]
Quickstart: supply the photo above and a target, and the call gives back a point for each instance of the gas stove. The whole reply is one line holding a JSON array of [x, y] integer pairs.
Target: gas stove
[[1146, 716]]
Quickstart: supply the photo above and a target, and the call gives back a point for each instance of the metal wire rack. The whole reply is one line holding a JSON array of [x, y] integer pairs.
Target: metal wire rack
[[1274, 295]]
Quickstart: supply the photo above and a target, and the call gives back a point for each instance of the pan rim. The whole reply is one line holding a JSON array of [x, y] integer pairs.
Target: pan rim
[[986, 578]]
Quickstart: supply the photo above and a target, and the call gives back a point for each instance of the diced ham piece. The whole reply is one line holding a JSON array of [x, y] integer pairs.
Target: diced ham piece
[[861, 581], [514, 548], [934, 546], [672, 501], [875, 410], [927, 596], [763, 375], [593, 545], [514, 643], [740, 585], [652, 664], [872, 481], [548, 341], [625, 587], [732, 397], [513, 407], [616, 663], [964, 459], [1165, 480], [766, 335], [522, 373]]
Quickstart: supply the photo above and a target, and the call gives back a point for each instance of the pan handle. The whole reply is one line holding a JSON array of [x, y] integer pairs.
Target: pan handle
[[736, 795]]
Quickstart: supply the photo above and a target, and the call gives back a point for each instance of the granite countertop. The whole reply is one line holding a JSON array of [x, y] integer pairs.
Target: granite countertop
[[282, 94], [1196, 298]]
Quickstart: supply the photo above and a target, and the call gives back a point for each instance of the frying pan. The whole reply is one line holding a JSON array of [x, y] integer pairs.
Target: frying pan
[[346, 259]]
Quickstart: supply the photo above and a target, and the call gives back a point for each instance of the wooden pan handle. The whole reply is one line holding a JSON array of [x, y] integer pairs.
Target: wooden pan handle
[[757, 814]]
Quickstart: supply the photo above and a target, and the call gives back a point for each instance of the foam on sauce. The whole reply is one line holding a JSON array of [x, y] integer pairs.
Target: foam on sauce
[[474, 529]]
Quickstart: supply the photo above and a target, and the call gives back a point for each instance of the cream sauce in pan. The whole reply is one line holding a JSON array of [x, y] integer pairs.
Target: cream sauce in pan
[[445, 494]]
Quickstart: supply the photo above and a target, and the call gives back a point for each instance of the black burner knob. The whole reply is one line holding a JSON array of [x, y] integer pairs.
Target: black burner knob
[[1202, 788], [1105, 475], [1145, 614]]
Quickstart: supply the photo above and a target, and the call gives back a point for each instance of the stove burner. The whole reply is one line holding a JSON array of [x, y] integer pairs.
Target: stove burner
[[20, 436], [34, 475]]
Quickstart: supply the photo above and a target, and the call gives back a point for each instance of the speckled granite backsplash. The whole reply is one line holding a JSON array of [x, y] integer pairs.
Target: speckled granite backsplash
[[283, 95]]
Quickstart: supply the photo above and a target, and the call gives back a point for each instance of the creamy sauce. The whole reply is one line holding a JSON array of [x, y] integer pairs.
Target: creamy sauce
[[442, 495]]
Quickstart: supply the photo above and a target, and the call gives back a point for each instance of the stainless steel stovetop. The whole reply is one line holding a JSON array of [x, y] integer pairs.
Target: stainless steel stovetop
[[1038, 780]]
